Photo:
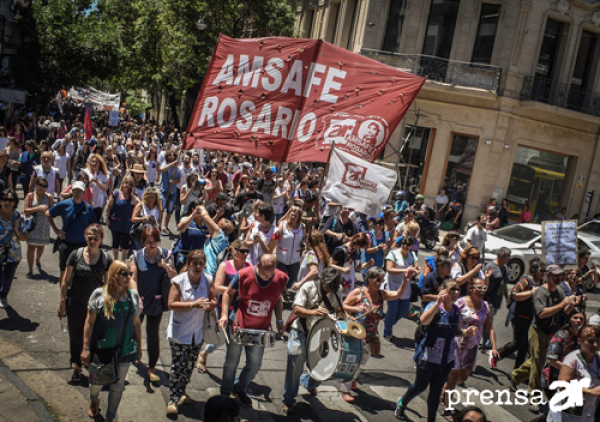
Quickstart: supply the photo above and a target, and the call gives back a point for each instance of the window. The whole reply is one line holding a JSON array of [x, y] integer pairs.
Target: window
[[486, 34], [538, 179], [583, 62], [350, 44], [308, 23], [549, 51], [395, 21], [460, 166], [440, 28], [334, 16]]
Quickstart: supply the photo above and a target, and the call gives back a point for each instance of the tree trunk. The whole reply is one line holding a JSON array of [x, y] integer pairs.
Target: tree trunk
[[191, 94], [173, 105]]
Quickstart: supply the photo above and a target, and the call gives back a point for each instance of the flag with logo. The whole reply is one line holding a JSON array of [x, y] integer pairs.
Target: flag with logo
[[358, 184]]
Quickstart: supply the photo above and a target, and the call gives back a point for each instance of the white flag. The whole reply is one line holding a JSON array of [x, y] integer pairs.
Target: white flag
[[358, 184]]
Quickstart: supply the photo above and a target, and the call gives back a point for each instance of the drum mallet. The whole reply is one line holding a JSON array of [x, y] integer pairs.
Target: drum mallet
[[225, 333]]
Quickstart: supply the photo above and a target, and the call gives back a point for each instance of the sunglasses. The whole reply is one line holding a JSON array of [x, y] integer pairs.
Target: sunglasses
[[243, 250], [43, 185], [454, 289], [125, 273], [252, 184], [481, 288], [7, 199], [473, 256], [93, 238]]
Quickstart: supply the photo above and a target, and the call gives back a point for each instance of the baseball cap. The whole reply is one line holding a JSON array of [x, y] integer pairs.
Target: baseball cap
[[47, 122], [554, 269], [78, 185]]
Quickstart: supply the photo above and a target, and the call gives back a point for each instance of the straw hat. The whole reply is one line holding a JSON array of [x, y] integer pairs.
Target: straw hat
[[138, 168]]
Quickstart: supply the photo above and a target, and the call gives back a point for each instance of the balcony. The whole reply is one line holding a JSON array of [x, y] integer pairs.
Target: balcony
[[442, 71], [561, 95]]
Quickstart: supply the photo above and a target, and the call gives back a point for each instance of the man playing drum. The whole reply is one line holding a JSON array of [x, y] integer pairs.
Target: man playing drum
[[316, 299], [260, 288]]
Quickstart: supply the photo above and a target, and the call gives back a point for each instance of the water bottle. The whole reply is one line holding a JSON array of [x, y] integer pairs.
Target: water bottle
[[63, 324]]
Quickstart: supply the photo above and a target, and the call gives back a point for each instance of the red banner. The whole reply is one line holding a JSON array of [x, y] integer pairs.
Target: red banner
[[87, 124], [287, 99]]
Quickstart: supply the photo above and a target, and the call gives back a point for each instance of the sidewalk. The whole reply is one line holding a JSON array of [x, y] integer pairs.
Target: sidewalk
[[17, 402]]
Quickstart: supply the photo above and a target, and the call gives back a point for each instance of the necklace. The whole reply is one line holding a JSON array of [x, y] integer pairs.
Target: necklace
[[150, 260]]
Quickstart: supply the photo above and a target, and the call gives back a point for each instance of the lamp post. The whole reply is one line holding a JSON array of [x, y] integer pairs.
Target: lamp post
[[201, 25]]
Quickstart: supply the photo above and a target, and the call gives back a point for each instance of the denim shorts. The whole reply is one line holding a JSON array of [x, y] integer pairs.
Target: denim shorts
[[168, 204]]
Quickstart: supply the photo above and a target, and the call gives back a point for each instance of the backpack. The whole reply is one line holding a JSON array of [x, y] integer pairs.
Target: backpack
[[80, 255]]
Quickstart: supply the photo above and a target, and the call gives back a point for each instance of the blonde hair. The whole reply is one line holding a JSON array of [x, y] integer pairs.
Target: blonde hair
[[413, 225], [288, 215], [152, 191], [98, 157], [110, 289]]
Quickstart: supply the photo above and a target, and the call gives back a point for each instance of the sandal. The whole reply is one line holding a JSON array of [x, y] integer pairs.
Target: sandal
[[202, 362], [348, 398], [448, 415], [94, 408], [76, 376], [172, 409]]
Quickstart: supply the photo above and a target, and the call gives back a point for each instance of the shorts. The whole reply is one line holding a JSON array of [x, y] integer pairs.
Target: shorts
[[64, 251], [465, 358], [121, 240], [168, 204]]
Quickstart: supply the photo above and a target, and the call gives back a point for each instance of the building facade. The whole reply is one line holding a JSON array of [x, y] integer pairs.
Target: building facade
[[511, 107]]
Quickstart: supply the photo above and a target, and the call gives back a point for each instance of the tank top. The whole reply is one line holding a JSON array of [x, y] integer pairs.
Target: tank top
[[149, 276], [256, 302], [120, 214], [155, 212], [372, 320], [151, 170], [289, 248], [230, 273]]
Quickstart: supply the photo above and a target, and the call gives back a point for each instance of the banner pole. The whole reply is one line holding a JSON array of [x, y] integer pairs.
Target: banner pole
[[321, 188]]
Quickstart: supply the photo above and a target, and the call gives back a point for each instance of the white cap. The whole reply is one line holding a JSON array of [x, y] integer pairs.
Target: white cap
[[47, 122], [247, 165], [78, 185]]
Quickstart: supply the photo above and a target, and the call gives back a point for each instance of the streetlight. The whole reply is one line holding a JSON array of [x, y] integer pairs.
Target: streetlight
[[201, 25]]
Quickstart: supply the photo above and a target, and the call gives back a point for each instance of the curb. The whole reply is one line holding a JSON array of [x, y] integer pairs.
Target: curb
[[38, 406]]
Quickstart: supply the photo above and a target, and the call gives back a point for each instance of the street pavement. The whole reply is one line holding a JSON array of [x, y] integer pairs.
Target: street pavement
[[35, 350]]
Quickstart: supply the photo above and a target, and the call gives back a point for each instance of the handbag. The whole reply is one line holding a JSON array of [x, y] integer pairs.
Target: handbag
[[415, 291], [29, 221], [137, 229], [58, 240], [212, 333], [104, 364]]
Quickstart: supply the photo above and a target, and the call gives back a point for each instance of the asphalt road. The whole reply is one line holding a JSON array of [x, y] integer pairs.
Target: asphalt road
[[33, 346]]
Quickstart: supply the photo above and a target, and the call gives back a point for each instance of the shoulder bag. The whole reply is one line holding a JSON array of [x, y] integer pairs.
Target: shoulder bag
[[212, 333], [104, 364], [138, 228], [30, 221]]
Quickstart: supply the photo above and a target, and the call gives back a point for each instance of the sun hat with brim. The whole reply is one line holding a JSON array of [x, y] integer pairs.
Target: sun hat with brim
[[78, 186], [554, 269], [138, 168]]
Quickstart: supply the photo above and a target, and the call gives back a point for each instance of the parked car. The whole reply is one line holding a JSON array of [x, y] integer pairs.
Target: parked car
[[524, 241]]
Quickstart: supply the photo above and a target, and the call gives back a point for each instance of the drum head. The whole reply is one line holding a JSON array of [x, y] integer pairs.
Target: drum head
[[323, 348]]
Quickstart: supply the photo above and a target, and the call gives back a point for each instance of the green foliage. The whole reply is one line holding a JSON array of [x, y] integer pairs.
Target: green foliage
[[135, 103], [135, 44]]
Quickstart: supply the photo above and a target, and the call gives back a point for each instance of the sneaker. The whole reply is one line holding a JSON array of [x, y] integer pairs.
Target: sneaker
[[413, 313], [29, 274], [243, 399], [289, 408], [172, 409], [492, 360], [400, 410], [3, 303]]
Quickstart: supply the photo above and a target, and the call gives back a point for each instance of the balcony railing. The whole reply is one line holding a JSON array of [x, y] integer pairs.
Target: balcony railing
[[447, 72], [561, 95]]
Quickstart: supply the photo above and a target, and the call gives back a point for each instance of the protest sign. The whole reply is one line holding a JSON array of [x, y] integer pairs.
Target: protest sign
[[559, 242], [113, 118], [358, 184], [288, 99]]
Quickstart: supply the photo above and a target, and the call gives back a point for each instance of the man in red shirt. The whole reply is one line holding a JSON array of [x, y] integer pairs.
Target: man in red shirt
[[259, 289]]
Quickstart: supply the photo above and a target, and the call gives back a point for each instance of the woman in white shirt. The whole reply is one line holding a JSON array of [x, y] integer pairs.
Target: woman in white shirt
[[152, 165], [62, 162], [149, 211], [98, 174], [279, 199], [192, 295], [289, 248], [400, 264]]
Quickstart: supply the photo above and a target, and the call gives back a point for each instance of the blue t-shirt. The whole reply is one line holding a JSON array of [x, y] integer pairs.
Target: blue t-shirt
[[401, 206], [436, 350], [166, 178], [67, 210], [212, 249], [191, 239]]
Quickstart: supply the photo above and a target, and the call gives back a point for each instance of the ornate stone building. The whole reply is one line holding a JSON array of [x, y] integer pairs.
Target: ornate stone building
[[511, 108]]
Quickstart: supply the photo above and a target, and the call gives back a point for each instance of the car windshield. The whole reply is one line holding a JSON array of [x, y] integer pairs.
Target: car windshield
[[517, 234], [592, 228], [596, 243]]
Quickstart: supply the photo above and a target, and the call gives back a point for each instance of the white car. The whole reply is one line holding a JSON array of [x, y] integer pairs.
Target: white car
[[524, 242]]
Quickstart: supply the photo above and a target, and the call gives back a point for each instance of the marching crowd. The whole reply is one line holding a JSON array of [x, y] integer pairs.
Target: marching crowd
[[251, 236]]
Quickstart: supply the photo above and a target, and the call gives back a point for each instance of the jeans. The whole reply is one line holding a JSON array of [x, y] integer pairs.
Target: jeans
[[168, 203], [435, 380], [519, 344], [114, 393], [291, 271], [7, 275], [254, 356], [532, 368], [397, 309], [295, 366]]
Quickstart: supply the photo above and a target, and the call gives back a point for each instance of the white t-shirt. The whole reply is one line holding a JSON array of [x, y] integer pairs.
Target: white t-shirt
[[51, 177], [60, 161], [279, 203], [99, 194], [394, 281], [442, 200], [477, 238], [256, 250], [184, 173], [151, 170]]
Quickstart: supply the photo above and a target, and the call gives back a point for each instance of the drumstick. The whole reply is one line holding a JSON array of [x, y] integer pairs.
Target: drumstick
[[367, 313], [225, 333]]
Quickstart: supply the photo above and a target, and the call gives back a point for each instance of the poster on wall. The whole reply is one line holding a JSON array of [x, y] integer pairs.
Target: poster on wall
[[559, 242]]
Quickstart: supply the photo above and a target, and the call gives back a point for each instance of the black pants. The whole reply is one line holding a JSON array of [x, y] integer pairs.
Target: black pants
[[519, 344], [435, 380], [153, 337], [98, 213], [177, 207], [76, 315]]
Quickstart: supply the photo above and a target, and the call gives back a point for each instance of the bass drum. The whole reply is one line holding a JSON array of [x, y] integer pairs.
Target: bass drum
[[332, 355]]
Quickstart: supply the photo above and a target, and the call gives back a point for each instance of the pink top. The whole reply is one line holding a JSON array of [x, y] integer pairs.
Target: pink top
[[524, 217]]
